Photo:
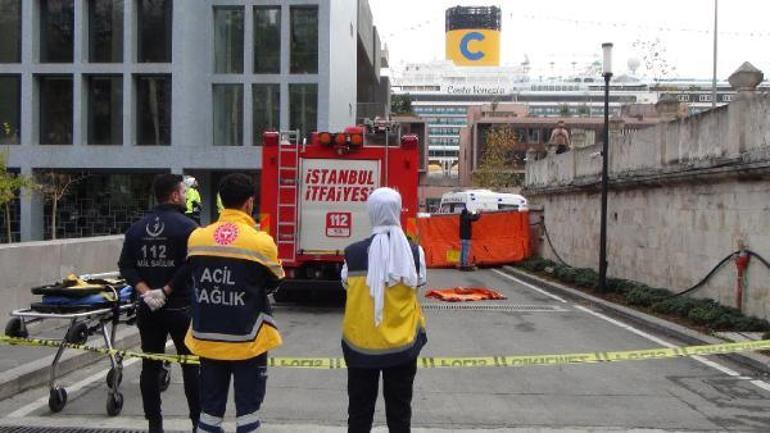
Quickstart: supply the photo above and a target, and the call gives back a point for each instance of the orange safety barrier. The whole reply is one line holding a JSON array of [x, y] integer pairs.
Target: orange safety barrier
[[463, 294], [498, 238]]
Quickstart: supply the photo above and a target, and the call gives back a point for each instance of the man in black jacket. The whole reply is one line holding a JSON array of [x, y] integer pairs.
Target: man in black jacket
[[154, 249], [466, 233]]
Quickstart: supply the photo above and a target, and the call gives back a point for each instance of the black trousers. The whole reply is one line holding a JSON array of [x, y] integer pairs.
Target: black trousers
[[154, 329], [363, 385]]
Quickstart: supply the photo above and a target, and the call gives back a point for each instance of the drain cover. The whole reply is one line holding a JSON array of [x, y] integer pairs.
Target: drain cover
[[492, 307], [14, 429]]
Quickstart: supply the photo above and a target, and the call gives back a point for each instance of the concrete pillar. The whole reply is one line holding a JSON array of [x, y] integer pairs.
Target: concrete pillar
[[745, 81], [32, 213]]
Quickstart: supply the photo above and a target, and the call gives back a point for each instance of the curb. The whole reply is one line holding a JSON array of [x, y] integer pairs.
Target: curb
[[751, 360], [36, 373]]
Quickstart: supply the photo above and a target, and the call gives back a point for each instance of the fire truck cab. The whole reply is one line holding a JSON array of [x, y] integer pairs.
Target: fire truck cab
[[313, 196]]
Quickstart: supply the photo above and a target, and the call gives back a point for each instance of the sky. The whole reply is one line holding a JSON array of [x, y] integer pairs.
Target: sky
[[553, 34]]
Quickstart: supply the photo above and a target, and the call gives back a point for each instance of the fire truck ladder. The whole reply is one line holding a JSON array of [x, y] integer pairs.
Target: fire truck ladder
[[288, 194]]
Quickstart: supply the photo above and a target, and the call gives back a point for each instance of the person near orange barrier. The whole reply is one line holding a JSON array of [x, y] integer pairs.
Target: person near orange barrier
[[466, 232]]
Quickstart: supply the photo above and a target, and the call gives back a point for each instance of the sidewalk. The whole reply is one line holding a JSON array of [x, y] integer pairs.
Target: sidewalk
[[23, 367], [752, 360]]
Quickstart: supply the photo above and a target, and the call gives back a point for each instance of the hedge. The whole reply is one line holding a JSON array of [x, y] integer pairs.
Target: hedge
[[701, 312]]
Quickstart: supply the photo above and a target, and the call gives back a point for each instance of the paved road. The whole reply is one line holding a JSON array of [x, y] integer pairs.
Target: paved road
[[663, 395]]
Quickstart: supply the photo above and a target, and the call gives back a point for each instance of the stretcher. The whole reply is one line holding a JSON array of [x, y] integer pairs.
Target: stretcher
[[92, 304]]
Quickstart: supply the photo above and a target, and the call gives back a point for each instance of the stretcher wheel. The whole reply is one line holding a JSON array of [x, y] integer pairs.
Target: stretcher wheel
[[57, 399], [15, 328], [164, 377], [77, 334], [111, 376], [114, 404]]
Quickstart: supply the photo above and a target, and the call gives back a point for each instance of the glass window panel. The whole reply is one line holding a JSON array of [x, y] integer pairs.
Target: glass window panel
[[153, 110], [228, 40], [267, 109], [10, 31], [304, 40], [105, 31], [56, 31], [267, 40], [10, 109], [155, 21], [105, 110], [56, 110], [303, 104], [228, 115]]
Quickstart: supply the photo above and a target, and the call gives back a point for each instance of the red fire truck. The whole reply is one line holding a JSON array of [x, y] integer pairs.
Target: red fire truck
[[313, 196]]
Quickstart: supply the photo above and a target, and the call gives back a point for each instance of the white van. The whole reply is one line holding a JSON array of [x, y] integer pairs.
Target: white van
[[480, 200]]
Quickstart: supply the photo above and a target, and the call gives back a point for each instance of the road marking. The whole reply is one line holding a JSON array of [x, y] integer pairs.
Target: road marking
[[719, 367], [72, 389], [529, 286]]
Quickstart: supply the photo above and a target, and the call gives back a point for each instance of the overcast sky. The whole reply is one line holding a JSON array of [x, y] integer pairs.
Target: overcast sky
[[555, 33]]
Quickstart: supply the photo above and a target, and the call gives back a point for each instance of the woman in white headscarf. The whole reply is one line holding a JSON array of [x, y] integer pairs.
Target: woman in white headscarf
[[384, 328]]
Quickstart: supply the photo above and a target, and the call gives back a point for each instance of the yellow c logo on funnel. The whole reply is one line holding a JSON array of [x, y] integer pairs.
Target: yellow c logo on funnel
[[473, 47]]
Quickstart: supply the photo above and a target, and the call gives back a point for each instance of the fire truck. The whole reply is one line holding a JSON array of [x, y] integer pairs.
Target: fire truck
[[314, 191]]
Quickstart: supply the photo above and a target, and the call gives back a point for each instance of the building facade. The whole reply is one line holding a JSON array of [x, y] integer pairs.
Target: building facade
[[114, 91]]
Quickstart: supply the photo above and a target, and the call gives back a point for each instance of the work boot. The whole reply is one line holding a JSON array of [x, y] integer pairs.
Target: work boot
[[156, 426]]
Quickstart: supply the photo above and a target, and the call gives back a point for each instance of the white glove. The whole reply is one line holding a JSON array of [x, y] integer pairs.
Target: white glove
[[155, 299]]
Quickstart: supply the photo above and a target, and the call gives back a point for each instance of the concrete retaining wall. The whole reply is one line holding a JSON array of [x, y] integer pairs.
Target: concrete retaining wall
[[682, 196], [29, 264]]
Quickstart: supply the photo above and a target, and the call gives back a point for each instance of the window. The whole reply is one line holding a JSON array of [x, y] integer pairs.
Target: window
[[705, 98], [266, 109], [267, 40], [56, 110], [684, 98], [303, 108], [10, 31], [105, 110], [304, 40], [10, 109], [154, 33], [105, 31], [228, 40], [228, 115], [56, 31], [153, 110]]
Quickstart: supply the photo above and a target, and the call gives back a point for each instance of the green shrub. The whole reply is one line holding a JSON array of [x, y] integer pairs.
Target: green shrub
[[712, 314], [677, 306], [751, 324], [619, 285], [644, 296], [565, 274], [586, 278], [536, 264]]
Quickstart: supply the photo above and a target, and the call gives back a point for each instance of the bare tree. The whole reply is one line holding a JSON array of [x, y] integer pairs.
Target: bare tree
[[55, 186], [496, 168], [654, 58]]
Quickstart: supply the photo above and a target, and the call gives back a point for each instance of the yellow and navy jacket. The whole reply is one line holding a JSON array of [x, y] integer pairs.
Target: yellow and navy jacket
[[401, 334], [232, 266]]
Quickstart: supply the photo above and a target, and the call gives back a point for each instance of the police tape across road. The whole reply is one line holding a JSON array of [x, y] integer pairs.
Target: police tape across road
[[316, 363]]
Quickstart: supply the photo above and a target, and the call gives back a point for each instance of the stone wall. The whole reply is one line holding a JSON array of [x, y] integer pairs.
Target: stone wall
[[29, 264], [683, 195]]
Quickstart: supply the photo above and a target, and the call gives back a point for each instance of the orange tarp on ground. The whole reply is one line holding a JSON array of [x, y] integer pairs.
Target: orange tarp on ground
[[463, 294], [498, 238]]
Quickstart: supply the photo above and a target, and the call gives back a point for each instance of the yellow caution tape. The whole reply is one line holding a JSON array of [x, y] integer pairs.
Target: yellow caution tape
[[437, 362]]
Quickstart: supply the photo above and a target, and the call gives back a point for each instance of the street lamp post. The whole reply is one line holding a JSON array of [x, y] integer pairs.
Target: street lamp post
[[607, 73]]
